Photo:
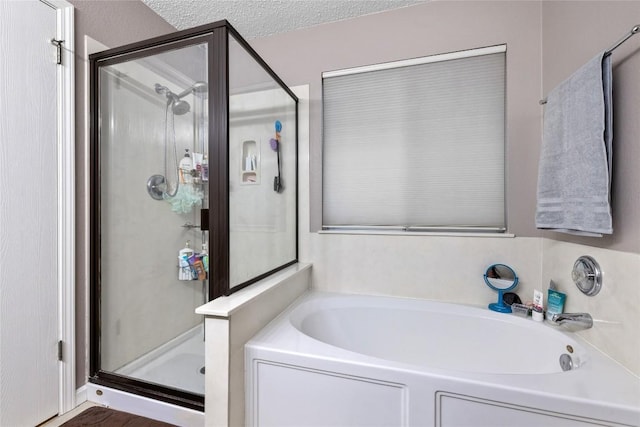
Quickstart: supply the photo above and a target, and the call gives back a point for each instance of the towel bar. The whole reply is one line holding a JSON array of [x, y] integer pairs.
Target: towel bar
[[626, 37]]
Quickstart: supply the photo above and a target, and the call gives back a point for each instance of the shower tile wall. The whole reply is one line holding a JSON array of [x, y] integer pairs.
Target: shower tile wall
[[143, 303]]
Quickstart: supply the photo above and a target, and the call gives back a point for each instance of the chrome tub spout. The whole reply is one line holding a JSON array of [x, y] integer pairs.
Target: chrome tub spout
[[573, 321]]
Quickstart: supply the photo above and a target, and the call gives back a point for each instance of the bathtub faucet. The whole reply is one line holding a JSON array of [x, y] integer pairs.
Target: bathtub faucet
[[573, 321]]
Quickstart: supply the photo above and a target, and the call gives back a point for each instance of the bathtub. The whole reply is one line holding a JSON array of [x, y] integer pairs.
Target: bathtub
[[348, 360]]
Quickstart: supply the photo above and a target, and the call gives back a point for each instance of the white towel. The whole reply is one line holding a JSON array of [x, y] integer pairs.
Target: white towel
[[574, 174]]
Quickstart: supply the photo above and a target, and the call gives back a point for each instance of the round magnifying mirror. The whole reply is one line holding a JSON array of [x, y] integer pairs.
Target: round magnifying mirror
[[500, 278]]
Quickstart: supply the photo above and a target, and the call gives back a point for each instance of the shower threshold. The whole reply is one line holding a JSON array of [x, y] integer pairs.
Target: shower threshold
[[177, 363], [144, 406]]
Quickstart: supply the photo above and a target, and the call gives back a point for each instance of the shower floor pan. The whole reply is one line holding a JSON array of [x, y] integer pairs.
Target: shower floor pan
[[178, 363]]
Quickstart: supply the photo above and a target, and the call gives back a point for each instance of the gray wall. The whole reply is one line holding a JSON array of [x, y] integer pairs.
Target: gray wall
[[112, 23], [573, 33], [300, 57]]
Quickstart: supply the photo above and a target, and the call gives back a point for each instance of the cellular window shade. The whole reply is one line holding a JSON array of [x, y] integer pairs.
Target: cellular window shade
[[416, 145]]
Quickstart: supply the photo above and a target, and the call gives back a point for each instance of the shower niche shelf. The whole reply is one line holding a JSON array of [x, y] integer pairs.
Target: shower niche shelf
[[250, 163]]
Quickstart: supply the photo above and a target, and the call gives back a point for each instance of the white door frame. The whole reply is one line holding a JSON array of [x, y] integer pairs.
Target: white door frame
[[66, 203]]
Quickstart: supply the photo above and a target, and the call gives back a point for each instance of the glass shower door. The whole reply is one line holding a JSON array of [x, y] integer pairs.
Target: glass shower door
[[193, 142], [153, 158]]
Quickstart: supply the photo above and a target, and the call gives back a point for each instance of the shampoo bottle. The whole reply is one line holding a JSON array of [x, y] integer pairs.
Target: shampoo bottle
[[196, 159], [205, 256], [185, 166], [205, 168], [184, 270]]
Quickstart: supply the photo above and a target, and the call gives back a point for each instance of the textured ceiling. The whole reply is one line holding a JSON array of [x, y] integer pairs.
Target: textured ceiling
[[258, 18]]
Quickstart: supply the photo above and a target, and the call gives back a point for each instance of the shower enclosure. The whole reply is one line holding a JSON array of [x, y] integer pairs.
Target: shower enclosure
[[193, 196]]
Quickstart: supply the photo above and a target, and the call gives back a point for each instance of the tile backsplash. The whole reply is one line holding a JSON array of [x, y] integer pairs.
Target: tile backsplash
[[449, 268], [615, 309]]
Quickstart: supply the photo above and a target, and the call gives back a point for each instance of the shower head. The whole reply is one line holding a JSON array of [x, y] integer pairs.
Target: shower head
[[179, 107]]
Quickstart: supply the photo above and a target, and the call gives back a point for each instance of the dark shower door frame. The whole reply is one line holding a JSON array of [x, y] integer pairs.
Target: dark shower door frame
[[216, 36]]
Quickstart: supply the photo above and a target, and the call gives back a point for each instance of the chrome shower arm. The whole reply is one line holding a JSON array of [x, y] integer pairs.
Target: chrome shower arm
[[197, 87]]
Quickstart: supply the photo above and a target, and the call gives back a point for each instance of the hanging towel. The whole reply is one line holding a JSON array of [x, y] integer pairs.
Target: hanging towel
[[574, 174]]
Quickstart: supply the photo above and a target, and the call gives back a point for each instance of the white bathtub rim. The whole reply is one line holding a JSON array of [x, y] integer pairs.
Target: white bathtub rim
[[601, 381], [582, 347], [307, 308]]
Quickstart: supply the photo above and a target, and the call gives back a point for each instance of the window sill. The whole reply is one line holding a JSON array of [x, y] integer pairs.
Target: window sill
[[419, 233]]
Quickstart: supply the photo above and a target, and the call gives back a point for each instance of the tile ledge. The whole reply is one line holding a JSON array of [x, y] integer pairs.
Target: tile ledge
[[225, 306]]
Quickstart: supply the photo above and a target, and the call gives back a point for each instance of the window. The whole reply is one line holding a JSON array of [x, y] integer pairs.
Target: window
[[416, 144]]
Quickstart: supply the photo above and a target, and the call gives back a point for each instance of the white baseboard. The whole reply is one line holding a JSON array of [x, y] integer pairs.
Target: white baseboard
[[81, 395], [144, 406]]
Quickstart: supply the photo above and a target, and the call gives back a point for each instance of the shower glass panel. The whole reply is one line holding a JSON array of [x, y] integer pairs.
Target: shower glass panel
[[154, 129], [262, 170], [193, 197]]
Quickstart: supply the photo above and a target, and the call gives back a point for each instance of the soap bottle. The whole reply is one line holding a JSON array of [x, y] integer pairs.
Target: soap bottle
[[205, 168], [205, 256], [185, 166], [184, 270]]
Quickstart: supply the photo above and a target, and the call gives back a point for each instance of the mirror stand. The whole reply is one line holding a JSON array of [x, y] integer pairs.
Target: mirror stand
[[500, 278], [500, 306]]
